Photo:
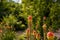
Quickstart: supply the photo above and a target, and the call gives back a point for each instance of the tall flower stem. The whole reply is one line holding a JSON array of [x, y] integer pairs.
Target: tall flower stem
[[30, 25], [44, 31], [44, 35]]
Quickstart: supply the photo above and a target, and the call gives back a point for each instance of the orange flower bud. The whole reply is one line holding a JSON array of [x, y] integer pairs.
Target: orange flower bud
[[28, 32], [30, 17], [29, 21], [50, 35], [44, 26], [34, 33], [0, 31], [38, 36], [44, 18]]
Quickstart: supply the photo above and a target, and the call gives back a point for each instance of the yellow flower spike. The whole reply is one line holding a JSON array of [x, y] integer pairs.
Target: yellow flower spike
[[44, 27]]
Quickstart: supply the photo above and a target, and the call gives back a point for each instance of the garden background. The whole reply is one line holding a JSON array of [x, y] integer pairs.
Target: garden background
[[14, 17]]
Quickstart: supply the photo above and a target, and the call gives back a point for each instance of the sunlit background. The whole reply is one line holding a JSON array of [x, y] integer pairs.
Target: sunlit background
[[17, 1]]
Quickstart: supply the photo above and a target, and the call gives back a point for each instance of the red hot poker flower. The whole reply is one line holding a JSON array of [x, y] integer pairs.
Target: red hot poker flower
[[44, 26], [44, 18], [29, 21], [38, 35], [50, 35], [0, 31], [28, 31], [30, 17], [34, 33]]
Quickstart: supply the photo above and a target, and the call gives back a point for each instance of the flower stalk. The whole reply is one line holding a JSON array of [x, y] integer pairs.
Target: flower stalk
[[30, 26], [44, 30]]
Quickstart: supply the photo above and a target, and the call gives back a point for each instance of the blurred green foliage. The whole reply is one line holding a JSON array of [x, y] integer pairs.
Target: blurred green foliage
[[14, 13]]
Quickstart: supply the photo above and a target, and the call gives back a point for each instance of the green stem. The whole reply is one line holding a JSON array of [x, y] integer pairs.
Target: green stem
[[45, 34]]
